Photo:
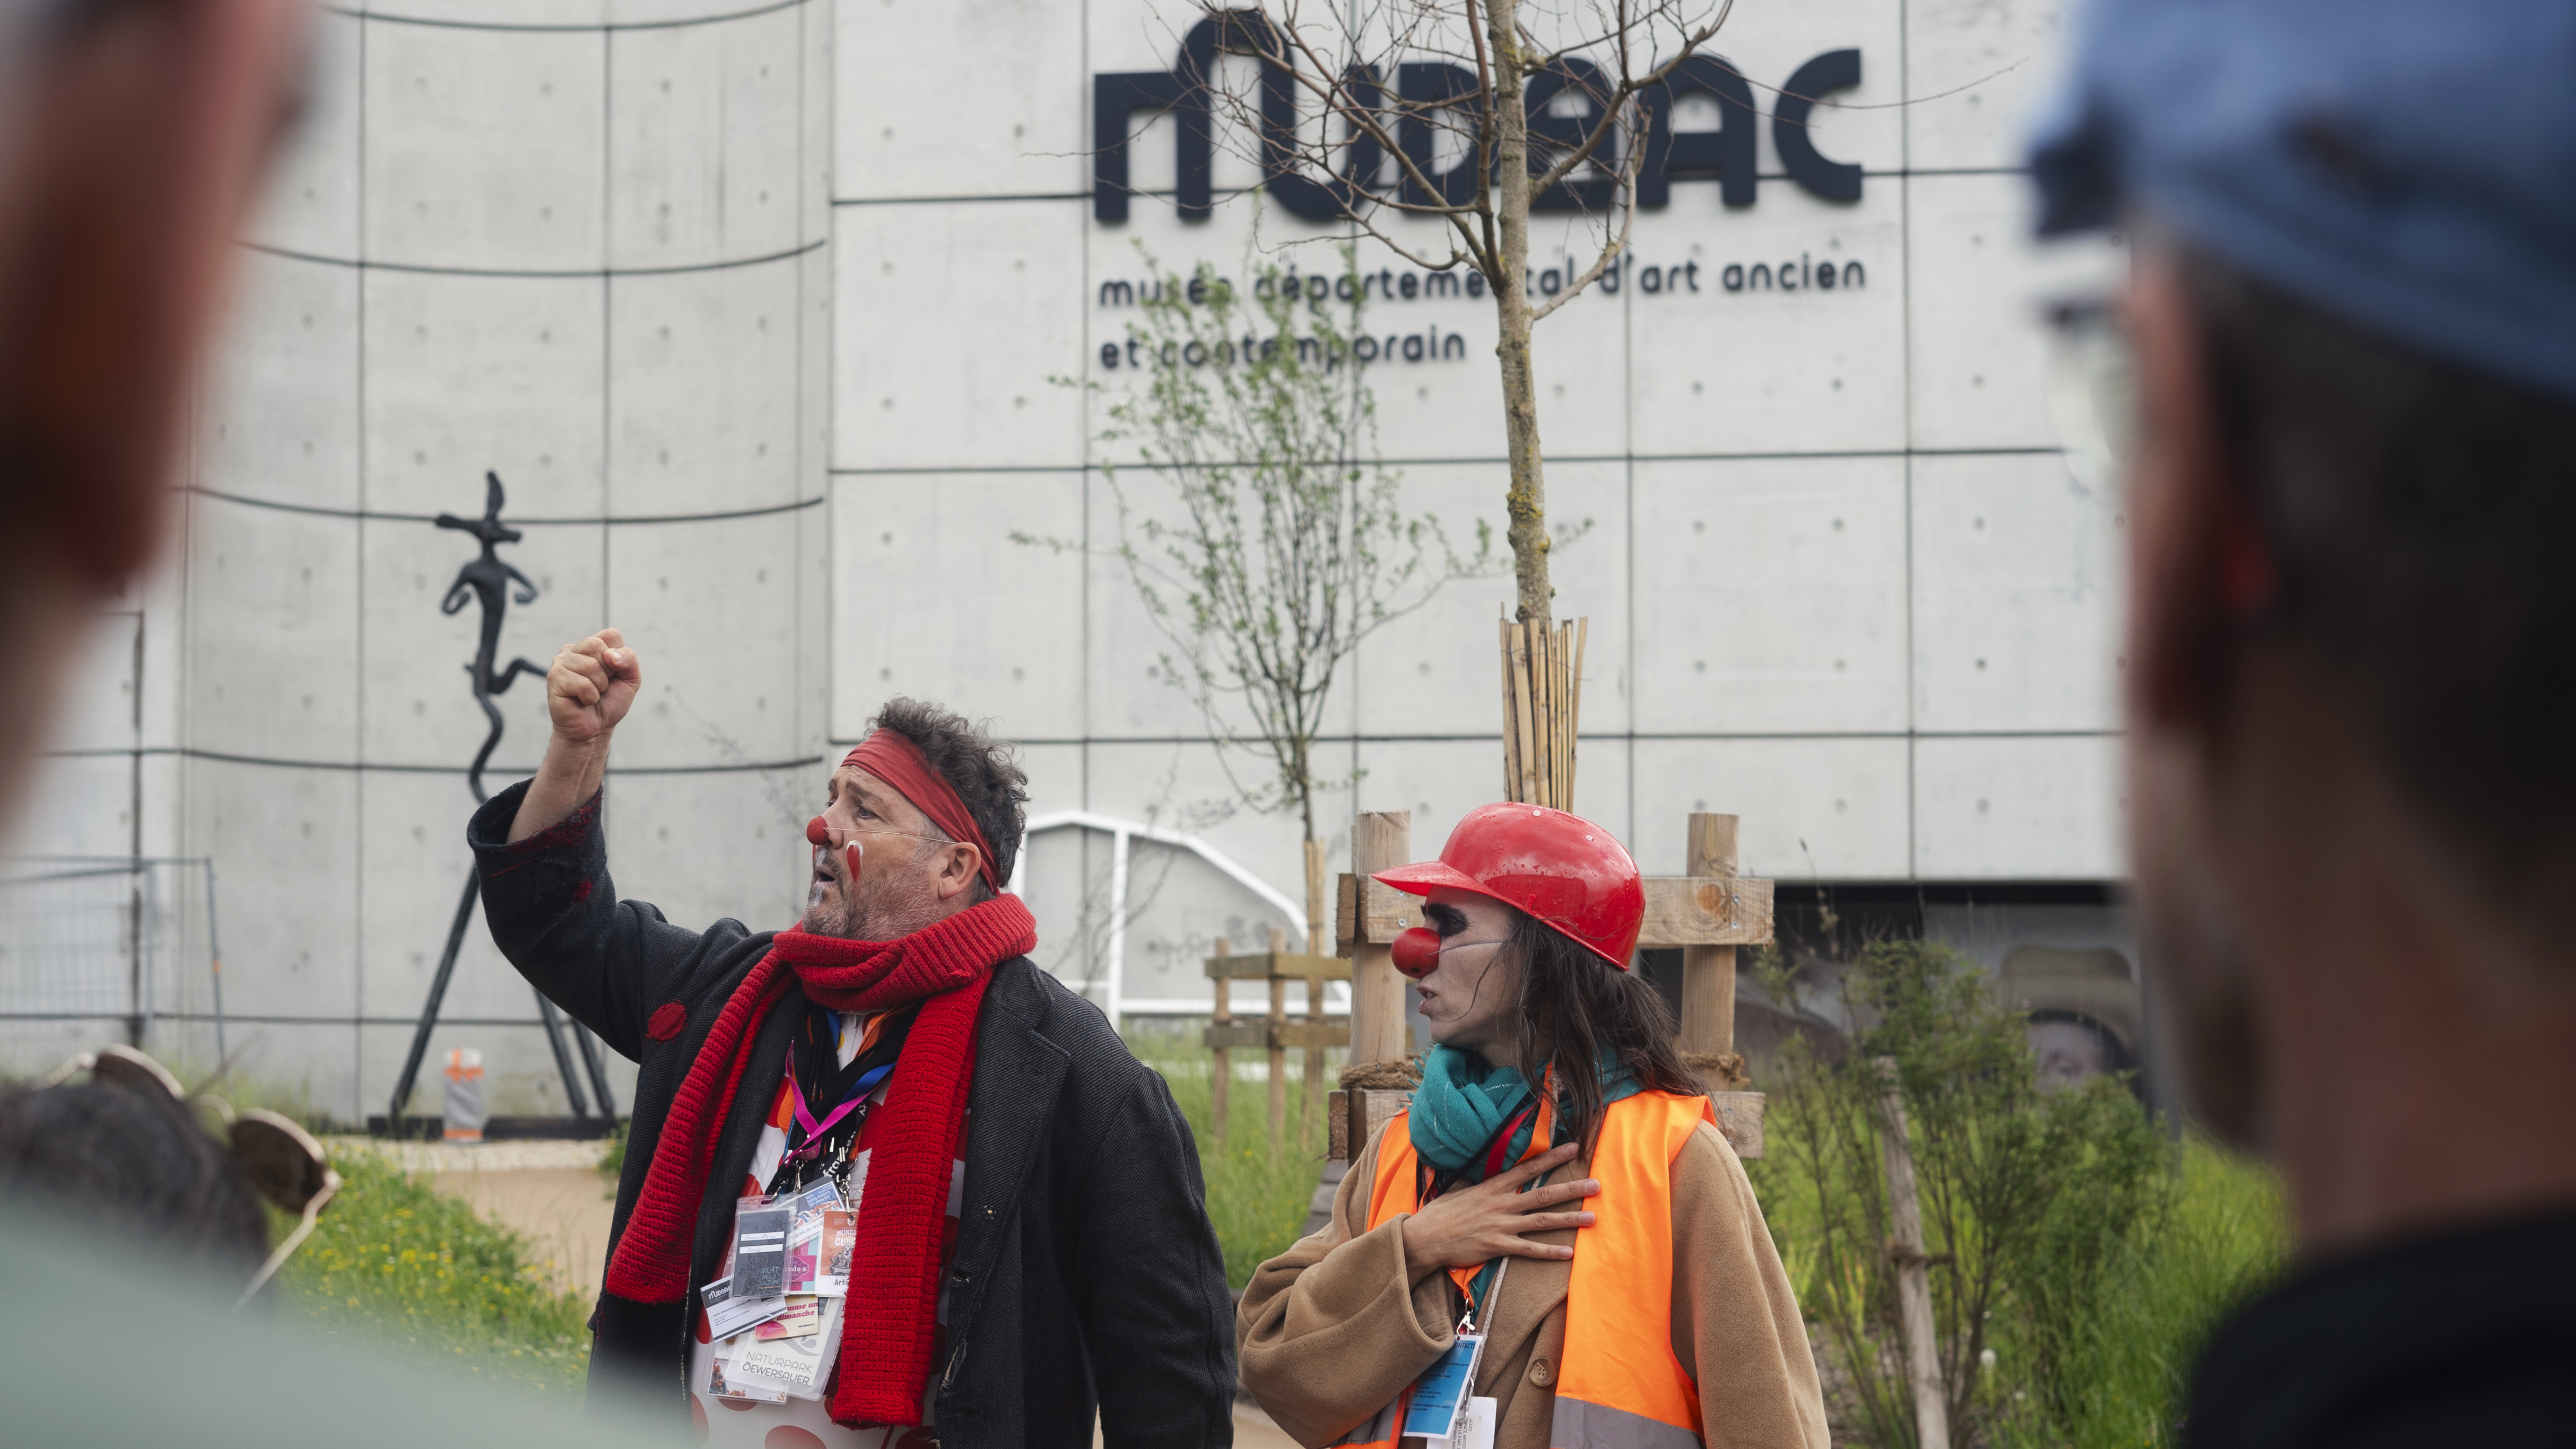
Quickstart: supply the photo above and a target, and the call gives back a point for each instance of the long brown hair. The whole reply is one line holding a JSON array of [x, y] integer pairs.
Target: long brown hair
[[1573, 1006]]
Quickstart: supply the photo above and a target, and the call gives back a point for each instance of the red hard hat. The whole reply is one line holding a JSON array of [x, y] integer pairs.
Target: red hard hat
[[1571, 874]]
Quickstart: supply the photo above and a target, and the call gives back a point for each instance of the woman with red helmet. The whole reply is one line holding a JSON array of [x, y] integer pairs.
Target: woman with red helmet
[[1556, 1221]]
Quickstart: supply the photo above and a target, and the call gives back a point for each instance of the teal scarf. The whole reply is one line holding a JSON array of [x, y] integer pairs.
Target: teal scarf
[[1464, 1100]]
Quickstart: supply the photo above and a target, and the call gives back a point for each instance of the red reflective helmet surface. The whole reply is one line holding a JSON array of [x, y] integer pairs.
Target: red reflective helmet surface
[[1571, 874]]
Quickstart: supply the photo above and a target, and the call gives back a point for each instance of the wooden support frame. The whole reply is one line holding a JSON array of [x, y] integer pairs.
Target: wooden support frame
[[1272, 1032], [1708, 968], [1381, 1029], [1680, 911]]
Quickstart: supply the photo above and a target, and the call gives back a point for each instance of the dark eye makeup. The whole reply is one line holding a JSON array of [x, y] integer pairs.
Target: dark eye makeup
[[1446, 920]]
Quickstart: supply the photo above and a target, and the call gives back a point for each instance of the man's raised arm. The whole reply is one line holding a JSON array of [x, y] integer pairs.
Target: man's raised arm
[[588, 691], [546, 890]]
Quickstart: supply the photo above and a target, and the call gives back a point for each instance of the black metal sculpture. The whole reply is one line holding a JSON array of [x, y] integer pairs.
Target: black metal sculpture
[[488, 579]]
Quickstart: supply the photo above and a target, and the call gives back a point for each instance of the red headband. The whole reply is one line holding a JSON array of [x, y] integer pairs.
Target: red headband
[[899, 762]]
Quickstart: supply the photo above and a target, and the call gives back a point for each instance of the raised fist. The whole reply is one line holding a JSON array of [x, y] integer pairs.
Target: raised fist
[[591, 686]]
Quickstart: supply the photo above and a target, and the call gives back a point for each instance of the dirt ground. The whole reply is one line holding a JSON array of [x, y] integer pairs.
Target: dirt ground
[[551, 1194], [563, 1213]]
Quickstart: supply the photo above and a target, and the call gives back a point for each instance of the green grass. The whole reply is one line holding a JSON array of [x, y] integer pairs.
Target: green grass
[[2219, 1236], [612, 1163], [2222, 1237], [395, 1262], [1257, 1196]]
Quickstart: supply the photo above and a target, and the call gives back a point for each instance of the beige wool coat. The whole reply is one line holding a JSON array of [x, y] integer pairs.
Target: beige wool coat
[[1332, 1329]]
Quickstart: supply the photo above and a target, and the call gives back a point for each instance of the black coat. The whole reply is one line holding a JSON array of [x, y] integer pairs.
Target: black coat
[[1085, 1271]]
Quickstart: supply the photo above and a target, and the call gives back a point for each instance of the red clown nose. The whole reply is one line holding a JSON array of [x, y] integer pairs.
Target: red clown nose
[[1417, 951], [819, 835]]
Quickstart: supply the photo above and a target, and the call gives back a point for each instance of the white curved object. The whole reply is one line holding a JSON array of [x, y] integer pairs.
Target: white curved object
[[1124, 832]]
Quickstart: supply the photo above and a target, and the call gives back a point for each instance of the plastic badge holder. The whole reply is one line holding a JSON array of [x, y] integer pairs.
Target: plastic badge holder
[[1441, 1394], [760, 1227]]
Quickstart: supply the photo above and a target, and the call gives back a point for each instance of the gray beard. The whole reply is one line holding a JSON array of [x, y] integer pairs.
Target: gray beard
[[895, 907], [829, 920]]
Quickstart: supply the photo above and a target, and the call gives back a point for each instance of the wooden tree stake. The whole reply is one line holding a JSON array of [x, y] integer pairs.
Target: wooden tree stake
[[1708, 972], [1913, 1269], [1380, 1032], [1223, 1065], [1575, 699], [1542, 708], [1318, 929], [1278, 1053], [1315, 1052]]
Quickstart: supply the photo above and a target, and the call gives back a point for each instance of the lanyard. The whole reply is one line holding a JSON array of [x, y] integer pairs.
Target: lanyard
[[1479, 1317], [816, 1131], [1541, 1138]]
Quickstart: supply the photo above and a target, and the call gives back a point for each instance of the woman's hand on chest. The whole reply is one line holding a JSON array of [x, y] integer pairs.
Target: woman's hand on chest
[[1466, 1226]]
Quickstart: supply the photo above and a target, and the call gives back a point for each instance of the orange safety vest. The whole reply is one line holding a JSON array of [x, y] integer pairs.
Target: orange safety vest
[[1618, 1385]]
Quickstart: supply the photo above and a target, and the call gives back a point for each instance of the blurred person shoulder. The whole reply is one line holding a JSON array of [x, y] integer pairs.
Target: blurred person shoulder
[[2462, 1337], [79, 1311]]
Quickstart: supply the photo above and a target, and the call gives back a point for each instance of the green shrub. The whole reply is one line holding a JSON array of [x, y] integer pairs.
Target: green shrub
[[612, 1163], [2087, 1257], [1258, 1192], [395, 1262], [2221, 1235]]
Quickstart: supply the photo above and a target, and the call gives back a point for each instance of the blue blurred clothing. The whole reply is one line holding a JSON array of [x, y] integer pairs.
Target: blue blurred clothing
[[2408, 167]]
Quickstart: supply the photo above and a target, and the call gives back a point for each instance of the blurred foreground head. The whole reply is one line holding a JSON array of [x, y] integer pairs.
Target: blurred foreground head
[[131, 135], [2351, 656], [109, 1156]]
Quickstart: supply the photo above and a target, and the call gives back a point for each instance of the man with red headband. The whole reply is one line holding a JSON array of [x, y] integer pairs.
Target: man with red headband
[[1026, 1235]]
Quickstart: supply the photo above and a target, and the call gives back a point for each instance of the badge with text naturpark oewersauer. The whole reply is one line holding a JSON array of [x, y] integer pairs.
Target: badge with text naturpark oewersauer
[[800, 1366]]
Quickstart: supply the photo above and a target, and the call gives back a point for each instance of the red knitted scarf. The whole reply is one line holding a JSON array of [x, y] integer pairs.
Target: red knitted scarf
[[885, 1350]]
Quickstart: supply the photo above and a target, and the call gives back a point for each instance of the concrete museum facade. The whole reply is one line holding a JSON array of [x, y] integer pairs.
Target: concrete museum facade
[[772, 320]]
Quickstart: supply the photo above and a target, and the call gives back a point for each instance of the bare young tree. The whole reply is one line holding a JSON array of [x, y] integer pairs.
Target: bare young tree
[[1282, 541], [1476, 113]]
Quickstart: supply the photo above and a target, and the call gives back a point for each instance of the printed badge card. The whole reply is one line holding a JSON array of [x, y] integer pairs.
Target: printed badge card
[[799, 1366], [760, 1248], [728, 1315], [840, 1238]]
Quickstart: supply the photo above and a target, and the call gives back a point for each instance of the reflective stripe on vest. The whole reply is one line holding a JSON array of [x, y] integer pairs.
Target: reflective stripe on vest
[[1618, 1385]]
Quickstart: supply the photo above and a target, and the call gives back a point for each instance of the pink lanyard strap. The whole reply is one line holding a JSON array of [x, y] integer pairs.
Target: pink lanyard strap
[[815, 1131]]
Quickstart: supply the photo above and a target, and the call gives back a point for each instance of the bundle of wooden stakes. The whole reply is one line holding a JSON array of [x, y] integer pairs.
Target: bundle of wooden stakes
[[1542, 701]]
